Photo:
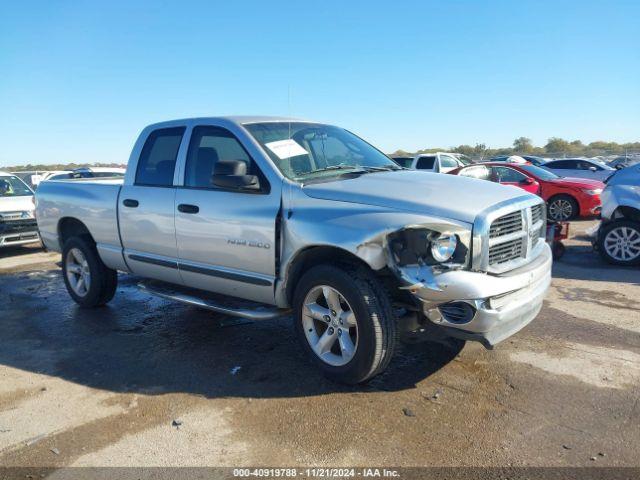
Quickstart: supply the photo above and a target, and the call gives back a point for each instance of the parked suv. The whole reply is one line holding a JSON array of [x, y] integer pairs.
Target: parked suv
[[618, 237]]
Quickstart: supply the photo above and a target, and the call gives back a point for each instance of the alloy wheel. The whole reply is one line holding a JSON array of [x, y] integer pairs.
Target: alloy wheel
[[622, 244], [560, 210], [78, 273], [330, 325]]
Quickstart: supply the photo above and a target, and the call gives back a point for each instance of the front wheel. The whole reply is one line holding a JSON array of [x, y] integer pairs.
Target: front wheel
[[562, 208], [619, 242], [89, 281], [345, 323]]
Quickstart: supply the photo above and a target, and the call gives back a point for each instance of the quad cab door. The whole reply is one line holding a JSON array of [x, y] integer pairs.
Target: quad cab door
[[146, 208], [226, 238], [511, 176]]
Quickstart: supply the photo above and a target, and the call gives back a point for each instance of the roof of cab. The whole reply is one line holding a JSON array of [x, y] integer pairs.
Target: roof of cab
[[237, 119]]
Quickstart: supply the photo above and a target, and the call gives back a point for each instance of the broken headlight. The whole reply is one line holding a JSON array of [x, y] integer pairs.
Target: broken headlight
[[443, 247], [421, 246]]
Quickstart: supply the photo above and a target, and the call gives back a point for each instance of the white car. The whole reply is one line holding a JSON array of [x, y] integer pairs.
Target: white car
[[99, 172], [580, 168], [86, 172], [17, 219], [440, 162]]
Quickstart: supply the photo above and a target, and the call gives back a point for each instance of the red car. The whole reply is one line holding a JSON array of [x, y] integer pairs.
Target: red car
[[566, 198]]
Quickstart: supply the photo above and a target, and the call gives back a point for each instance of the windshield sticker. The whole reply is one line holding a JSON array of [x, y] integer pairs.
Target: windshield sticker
[[286, 149]]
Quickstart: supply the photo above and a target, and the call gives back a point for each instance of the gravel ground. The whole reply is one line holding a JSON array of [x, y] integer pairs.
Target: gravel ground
[[146, 382]]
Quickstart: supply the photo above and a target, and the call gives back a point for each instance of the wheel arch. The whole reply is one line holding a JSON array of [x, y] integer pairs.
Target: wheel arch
[[626, 211], [69, 227], [316, 255]]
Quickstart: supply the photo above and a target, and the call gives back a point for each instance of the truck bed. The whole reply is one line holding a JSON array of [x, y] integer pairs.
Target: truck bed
[[92, 201]]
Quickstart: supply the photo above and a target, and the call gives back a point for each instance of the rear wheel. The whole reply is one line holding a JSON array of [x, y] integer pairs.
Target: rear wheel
[[89, 281], [619, 242], [345, 323], [562, 208]]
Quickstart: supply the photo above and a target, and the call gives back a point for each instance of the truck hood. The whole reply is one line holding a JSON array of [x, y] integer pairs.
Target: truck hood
[[16, 204], [437, 194]]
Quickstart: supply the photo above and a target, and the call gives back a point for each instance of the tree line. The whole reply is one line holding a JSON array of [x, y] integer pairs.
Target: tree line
[[555, 147]]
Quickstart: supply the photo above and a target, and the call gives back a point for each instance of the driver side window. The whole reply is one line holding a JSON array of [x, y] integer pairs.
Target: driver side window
[[207, 146]]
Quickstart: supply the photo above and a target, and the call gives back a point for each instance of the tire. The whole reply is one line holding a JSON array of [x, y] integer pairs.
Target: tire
[[627, 232], [80, 260], [369, 322], [562, 208]]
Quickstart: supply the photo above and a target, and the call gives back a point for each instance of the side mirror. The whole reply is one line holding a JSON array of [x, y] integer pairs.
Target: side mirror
[[593, 169], [233, 174], [620, 166]]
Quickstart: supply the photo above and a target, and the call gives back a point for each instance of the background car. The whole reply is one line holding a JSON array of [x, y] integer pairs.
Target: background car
[[405, 162], [566, 198], [17, 220], [87, 172], [580, 168], [618, 237], [538, 161], [440, 162], [624, 161]]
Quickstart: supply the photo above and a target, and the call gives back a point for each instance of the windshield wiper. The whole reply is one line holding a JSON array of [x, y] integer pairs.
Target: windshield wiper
[[333, 167], [389, 168]]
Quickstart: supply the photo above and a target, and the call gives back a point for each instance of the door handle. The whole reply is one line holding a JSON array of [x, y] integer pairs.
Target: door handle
[[186, 208], [129, 202]]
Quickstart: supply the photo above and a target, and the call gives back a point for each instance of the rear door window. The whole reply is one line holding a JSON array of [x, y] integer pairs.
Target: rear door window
[[158, 158], [480, 172], [425, 163], [508, 175], [564, 165]]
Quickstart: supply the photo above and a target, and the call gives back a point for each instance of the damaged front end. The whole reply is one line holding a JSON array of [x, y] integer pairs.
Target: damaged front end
[[447, 293]]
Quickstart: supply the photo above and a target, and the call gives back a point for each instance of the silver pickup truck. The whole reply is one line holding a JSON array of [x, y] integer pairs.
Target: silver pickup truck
[[259, 216]]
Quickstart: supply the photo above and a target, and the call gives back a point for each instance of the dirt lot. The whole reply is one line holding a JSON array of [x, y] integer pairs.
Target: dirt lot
[[147, 382]]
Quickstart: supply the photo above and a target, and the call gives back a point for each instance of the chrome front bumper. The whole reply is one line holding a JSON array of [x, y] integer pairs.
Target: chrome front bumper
[[19, 238], [502, 304]]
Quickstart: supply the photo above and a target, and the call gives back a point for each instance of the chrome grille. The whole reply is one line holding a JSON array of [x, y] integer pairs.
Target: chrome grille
[[537, 213], [506, 224], [505, 252], [509, 235]]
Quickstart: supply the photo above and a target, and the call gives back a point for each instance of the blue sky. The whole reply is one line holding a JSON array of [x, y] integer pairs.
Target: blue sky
[[79, 80]]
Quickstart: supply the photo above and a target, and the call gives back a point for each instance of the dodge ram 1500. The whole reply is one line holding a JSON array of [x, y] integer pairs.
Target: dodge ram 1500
[[260, 216]]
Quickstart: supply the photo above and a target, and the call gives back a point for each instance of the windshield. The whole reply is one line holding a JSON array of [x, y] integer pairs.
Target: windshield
[[11, 186], [305, 151], [541, 173], [464, 160]]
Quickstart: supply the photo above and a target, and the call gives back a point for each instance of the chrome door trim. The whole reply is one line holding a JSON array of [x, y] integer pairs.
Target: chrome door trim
[[211, 271], [226, 274], [152, 260]]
